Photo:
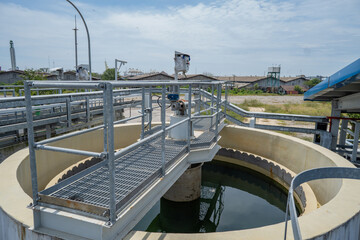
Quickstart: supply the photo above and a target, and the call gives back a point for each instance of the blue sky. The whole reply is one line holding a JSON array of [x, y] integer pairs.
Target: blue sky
[[241, 37]]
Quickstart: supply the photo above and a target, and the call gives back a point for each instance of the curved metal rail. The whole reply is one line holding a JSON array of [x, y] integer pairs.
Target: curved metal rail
[[308, 175]]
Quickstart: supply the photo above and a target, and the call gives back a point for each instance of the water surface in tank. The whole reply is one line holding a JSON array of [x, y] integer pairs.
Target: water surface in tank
[[232, 198]]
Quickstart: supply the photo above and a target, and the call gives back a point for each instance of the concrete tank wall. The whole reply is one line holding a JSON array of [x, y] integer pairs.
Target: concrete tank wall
[[338, 216], [295, 154]]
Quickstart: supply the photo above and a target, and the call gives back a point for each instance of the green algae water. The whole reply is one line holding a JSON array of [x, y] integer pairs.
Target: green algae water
[[232, 198]]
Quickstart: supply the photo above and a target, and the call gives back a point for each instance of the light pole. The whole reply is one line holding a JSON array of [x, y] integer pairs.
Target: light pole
[[88, 35], [116, 68], [76, 56]]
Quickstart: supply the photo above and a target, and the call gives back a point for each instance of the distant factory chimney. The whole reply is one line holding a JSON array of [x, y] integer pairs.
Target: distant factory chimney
[[12, 56]]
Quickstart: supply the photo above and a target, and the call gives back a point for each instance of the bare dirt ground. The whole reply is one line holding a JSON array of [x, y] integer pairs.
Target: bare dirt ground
[[268, 99]]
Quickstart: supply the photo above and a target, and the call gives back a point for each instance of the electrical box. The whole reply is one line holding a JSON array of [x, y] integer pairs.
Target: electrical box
[[182, 62]]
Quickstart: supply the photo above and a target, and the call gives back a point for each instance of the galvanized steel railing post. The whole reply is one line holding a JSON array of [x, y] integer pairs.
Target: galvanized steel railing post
[[189, 116], [109, 109], [68, 112], [199, 108], [150, 108], [163, 120], [212, 104], [105, 119], [212, 99], [226, 98], [31, 141], [142, 112], [87, 109], [218, 100]]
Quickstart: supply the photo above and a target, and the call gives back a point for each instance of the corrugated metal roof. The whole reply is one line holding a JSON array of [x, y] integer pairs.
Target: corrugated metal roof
[[143, 76], [344, 82]]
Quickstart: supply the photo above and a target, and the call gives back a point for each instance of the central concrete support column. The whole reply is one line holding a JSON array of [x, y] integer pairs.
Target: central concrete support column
[[188, 187]]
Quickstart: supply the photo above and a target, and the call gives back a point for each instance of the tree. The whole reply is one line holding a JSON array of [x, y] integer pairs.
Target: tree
[[256, 86], [312, 82], [31, 74], [97, 75], [109, 74], [298, 89]]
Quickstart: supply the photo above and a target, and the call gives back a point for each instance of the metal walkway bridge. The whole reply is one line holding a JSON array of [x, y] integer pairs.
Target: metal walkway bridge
[[132, 178]]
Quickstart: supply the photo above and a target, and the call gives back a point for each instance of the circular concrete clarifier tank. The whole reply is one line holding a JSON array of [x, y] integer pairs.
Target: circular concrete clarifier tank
[[335, 216]]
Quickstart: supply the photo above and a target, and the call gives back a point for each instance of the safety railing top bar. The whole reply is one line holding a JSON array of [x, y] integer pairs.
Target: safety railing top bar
[[100, 85], [55, 98], [108, 154]]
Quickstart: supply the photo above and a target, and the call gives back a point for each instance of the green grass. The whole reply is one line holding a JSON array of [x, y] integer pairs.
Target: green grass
[[306, 108], [251, 103], [243, 91]]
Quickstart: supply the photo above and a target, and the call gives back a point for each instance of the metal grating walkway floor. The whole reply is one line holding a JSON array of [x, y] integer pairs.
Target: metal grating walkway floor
[[133, 172]]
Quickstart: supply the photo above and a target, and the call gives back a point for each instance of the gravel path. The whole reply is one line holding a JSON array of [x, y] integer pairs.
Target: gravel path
[[268, 99]]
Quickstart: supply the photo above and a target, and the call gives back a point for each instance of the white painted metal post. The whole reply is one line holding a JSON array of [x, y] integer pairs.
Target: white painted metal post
[[356, 142], [252, 122], [334, 124], [343, 132]]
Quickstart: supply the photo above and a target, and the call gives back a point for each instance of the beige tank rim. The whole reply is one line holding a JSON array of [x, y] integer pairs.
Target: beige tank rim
[[339, 199]]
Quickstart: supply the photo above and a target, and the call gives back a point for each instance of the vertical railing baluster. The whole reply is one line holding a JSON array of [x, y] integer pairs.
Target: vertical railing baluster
[[142, 112], [218, 98], [163, 120], [105, 119], [87, 109], [68, 112], [200, 101], [108, 104], [150, 107], [226, 98], [189, 116], [31, 141], [212, 105]]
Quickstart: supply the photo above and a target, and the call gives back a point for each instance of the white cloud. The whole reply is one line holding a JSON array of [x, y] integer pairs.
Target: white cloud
[[223, 37]]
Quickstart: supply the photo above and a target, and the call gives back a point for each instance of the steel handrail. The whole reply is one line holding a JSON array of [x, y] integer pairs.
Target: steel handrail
[[309, 175], [280, 116]]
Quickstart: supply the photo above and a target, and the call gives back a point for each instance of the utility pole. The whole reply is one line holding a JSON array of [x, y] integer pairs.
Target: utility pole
[[76, 53]]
